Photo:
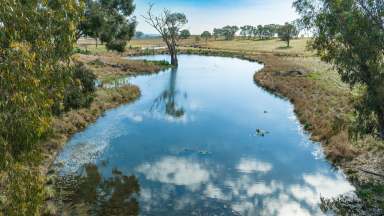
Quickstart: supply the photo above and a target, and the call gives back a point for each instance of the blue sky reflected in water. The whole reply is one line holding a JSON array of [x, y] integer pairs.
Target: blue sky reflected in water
[[205, 138]]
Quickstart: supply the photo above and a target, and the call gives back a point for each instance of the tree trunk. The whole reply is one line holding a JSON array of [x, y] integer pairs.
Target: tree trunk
[[174, 60], [96, 42], [380, 116]]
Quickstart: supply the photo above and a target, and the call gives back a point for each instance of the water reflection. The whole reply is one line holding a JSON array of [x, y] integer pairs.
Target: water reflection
[[167, 98], [91, 194], [201, 155], [176, 171]]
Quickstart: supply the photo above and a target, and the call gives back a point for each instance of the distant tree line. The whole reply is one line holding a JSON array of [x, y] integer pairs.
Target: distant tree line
[[285, 32]]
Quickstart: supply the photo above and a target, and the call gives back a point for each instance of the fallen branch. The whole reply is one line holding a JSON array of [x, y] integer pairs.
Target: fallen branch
[[372, 173]]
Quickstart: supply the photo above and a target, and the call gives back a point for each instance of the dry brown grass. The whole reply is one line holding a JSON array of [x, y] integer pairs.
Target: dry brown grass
[[111, 66]]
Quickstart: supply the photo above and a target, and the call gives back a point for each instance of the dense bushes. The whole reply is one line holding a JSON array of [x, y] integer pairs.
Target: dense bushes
[[80, 92], [117, 45], [36, 43]]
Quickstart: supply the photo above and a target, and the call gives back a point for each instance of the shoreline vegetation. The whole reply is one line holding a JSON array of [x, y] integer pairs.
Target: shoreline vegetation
[[322, 102], [107, 68]]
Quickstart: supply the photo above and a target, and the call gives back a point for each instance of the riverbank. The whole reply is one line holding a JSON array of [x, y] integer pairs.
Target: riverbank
[[107, 67], [323, 104]]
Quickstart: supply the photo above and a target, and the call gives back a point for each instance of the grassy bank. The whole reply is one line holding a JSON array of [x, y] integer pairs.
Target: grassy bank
[[323, 104], [322, 101], [106, 67]]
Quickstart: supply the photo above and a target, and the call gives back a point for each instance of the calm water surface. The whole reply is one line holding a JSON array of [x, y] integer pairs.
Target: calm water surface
[[202, 140]]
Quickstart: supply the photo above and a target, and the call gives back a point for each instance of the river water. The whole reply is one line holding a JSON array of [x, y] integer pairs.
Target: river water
[[203, 139]]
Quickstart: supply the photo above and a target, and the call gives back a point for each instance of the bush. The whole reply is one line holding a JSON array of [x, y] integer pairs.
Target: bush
[[80, 92], [80, 51], [117, 45]]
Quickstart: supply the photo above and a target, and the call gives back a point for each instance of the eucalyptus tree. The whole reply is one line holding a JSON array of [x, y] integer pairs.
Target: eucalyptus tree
[[350, 35], [110, 21], [36, 42], [185, 34], [287, 32], [229, 32], [217, 33], [243, 31], [206, 35], [168, 25]]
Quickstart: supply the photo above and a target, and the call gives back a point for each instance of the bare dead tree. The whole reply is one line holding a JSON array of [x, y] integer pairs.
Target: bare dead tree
[[168, 24]]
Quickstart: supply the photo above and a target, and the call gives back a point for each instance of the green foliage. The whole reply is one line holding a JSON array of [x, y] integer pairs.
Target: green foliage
[[247, 31], [108, 20], [36, 44], [287, 32], [139, 35], [350, 35], [81, 51], [80, 92], [228, 32], [117, 45], [206, 35], [36, 41], [24, 190], [185, 34]]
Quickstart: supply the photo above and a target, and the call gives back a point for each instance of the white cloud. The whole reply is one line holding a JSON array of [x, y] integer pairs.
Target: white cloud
[[252, 165], [176, 171]]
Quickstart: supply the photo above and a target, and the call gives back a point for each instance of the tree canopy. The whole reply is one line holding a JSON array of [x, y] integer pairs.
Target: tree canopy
[[168, 24], [287, 32], [110, 21], [185, 34], [206, 35], [36, 41], [350, 35]]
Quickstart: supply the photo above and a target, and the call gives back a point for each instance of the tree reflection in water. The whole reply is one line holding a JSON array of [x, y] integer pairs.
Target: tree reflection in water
[[168, 98], [91, 194]]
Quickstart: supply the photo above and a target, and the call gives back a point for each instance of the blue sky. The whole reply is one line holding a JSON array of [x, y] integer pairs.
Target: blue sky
[[208, 14]]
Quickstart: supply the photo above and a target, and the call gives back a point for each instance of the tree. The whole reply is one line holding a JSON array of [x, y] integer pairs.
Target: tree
[[287, 32], [217, 32], [36, 41], [139, 35], [243, 31], [185, 34], [350, 35], [108, 20], [168, 24], [206, 35], [229, 32]]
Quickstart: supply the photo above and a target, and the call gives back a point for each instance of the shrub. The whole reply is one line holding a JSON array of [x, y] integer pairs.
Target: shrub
[[80, 91], [117, 45]]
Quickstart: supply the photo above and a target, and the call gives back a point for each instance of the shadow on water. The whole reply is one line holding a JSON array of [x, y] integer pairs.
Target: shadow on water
[[167, 98], [91, 194]]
